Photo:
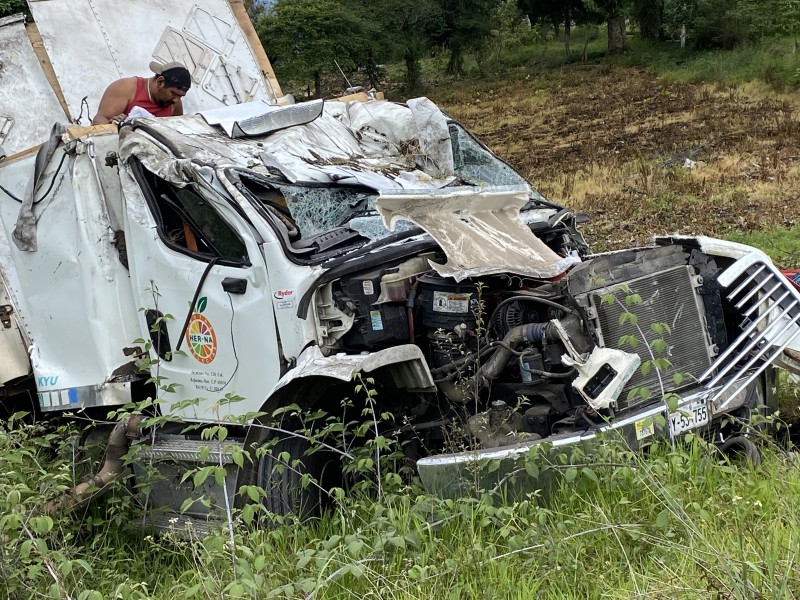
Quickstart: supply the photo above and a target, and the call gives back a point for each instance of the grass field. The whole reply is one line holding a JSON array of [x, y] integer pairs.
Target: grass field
[[678, 523], [615, 140]]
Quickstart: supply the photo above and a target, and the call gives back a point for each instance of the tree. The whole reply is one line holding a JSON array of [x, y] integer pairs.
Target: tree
[[558, 12], [407, 31], [730, 23], [12, 7], [307, 38], [615, 20], [649, 14], [789, 19], [467, 24]]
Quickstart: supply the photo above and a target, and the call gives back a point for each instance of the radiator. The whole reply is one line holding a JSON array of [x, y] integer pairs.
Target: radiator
[[668, 296]]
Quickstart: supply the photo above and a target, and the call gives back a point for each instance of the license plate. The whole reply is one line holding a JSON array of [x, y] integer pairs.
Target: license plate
[[689, 417]]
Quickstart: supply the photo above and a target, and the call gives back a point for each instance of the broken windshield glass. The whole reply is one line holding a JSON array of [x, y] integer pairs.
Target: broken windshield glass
[[476, 165], [319, 209]]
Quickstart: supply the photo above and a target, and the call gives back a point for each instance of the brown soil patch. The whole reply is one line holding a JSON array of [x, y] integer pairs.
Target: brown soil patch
[[613, 141]]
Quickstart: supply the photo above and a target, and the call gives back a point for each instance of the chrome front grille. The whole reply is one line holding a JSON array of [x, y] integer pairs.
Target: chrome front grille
[[770, 307]]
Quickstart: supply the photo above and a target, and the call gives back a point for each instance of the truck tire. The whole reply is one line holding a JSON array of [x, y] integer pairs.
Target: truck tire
[[282, 480]]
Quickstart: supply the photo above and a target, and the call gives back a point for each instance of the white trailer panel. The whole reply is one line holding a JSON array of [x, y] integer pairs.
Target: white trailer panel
[[94, 42], [28, 105]]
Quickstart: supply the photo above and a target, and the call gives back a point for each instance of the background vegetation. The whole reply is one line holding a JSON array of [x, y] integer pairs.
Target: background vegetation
[[309, 39]]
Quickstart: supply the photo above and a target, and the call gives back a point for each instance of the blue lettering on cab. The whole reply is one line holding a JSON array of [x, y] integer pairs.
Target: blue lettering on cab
[[46, 381]]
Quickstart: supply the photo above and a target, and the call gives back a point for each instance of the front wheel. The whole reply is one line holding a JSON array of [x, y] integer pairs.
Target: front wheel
[[296, 476]]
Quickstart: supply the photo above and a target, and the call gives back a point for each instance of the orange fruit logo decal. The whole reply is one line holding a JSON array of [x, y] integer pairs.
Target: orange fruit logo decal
[[201, 337]]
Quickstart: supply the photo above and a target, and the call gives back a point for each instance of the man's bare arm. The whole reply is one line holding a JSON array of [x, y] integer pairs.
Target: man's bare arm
[[177, 108], [115, 100]]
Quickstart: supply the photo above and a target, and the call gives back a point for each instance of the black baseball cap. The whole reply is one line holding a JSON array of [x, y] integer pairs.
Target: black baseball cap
[[174, 74]]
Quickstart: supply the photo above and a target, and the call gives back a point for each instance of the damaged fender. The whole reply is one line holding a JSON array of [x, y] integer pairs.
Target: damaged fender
[[406, 363]]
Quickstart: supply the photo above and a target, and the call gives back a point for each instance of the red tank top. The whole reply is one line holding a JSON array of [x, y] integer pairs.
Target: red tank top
[[142, 99]]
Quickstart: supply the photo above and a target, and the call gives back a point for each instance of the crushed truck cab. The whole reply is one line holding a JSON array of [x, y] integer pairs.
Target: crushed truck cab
[[273, 253]]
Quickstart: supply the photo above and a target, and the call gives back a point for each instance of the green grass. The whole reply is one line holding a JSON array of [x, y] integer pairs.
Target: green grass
[[679, 523], [772, 62], [782, 245]]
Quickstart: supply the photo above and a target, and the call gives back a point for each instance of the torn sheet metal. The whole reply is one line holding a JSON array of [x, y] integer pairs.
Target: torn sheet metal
[[28, 105], [373, 144], [258, 119], [24, 233], [68, 292], [110, 41], [175, 170], [312, 363], [226, 117], [480, 231], [436, 149]]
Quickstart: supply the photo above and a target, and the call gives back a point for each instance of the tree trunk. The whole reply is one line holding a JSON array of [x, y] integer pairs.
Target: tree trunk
[[585, 43], [317, 85], [651, 20], [544, 48], [455, 66], [413, 71], [567, 31], [616, 35], [373, 72]]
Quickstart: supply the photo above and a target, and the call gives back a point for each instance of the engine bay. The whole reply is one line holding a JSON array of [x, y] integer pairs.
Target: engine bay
[[516, 359]]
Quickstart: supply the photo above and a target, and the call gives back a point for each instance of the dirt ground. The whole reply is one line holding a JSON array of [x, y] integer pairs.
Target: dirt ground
[[642, 155]]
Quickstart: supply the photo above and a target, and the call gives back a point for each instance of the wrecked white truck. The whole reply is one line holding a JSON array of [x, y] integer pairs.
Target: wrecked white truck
[[276, 252]]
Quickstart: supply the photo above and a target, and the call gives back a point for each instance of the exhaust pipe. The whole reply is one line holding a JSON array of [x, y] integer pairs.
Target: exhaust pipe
[[119, 441]]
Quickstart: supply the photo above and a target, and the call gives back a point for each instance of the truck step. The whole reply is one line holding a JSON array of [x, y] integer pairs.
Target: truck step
[[183, 526], [179, 449]]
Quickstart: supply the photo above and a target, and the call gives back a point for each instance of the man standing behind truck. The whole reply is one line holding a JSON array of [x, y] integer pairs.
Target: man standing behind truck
[[159, 95]]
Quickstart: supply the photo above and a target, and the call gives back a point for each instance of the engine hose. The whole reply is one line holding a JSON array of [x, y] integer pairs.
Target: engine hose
[[530, 332], [449, 377], [524, 298], [452, 367], [461, 362], [541, 373], [119, 441], [741, 445], [412, 295]]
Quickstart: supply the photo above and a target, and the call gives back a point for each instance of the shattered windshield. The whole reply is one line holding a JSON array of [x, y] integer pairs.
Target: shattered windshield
[[475, 165], [320, 208]]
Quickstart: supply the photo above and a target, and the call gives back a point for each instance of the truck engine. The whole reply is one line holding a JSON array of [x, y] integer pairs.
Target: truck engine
[[508, 354]]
